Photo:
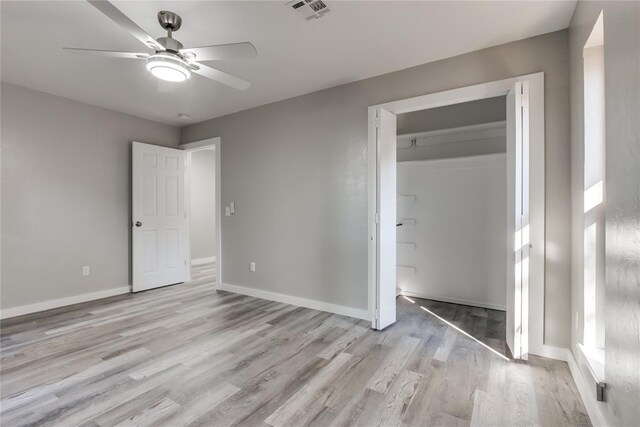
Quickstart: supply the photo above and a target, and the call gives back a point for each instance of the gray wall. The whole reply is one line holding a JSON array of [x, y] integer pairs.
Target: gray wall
[[297, 172], [66, 194], [622, 93], [452, 116], [203, 199]]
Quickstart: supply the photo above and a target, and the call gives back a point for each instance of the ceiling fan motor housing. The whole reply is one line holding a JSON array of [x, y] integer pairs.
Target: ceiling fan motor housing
[[170, 44]]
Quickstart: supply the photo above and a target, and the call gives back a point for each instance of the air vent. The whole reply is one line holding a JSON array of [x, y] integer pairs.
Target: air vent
[[309, 9]]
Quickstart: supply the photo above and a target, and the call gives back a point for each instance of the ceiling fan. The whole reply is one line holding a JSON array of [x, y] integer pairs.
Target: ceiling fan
[[170, 60]]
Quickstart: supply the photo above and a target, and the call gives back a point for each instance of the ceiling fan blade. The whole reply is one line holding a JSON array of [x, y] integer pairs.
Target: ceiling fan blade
[[107, 53], [220, 76], [244, 50], [123, 20]]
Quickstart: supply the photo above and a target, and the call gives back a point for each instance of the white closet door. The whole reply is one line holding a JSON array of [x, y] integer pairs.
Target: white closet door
[[518, 219], [386, 219], [159, 217]]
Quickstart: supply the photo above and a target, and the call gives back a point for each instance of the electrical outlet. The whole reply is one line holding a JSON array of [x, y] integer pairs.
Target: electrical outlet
[[85, 270], [227, 211], [252, 266]]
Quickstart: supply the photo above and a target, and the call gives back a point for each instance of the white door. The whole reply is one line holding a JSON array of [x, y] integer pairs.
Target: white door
[[518, 220], [385, 298], [159, 218]]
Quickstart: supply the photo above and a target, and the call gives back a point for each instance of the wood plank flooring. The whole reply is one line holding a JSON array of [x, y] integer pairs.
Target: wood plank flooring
[[191, 355]]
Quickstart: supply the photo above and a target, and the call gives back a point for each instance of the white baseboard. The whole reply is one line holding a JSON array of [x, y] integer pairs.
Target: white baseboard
[[48, 305], [453, 300], [201, 261], [594, 408], [550, 352], [302, 302]]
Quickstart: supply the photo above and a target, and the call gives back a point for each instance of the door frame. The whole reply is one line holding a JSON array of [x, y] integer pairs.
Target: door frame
[[537, 185], [205, 144]]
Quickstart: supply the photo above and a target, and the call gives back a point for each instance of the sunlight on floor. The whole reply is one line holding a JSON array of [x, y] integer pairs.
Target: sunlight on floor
[[457, 329]]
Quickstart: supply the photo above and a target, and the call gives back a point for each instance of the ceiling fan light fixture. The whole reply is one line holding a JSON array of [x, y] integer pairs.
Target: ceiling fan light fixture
[[169, 67]]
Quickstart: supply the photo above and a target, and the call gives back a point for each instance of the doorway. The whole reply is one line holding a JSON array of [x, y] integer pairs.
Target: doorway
[[525, 203], [452, 216], [202, 197]]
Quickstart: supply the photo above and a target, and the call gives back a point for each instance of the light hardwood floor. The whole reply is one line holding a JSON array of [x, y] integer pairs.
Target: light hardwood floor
[[188, 354]]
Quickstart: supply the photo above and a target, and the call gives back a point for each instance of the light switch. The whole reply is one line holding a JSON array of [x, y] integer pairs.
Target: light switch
[[232, 208]]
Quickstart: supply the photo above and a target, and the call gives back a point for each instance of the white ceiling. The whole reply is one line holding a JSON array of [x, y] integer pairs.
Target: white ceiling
[[354, 41]]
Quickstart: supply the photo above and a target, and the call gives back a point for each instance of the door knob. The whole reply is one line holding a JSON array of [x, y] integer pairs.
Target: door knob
[[138, 224]]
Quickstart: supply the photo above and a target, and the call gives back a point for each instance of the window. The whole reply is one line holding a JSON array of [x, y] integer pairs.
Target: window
[[594, 199]]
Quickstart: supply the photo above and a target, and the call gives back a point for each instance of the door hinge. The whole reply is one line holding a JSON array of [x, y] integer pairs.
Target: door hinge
[[376, 315], [377, 218], [185, 262]]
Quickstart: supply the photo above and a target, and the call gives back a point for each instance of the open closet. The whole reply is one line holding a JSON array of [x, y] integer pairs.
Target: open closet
[[451, 204]]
